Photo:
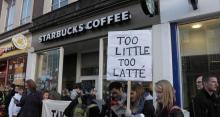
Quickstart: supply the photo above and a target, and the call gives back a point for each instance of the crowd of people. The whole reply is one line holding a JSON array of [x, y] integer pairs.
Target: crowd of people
[[26, 101]]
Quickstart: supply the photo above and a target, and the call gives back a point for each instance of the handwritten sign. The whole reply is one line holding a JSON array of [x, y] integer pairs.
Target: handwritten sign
[[130, 55]]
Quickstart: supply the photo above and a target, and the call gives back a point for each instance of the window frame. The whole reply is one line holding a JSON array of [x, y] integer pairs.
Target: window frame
[[179, 58], [39, 66], [10, 15], [58, 4], [26, 10]]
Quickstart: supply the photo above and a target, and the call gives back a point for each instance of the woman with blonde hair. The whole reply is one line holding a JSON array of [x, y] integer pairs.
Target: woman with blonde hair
[[166, 100]]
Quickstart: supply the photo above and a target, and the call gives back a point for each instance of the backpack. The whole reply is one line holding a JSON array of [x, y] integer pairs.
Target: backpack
[[81, 110]]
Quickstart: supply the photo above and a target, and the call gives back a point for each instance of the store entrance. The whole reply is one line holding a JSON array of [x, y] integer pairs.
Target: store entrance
[[69, 71], [81, 64]]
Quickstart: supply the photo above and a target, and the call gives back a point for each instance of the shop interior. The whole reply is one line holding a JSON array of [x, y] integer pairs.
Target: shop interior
[[13, 70], [200, 54]]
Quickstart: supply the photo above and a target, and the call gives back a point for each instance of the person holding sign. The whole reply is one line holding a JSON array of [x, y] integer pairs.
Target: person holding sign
[[129, 59], [116, 105], [166, 100]]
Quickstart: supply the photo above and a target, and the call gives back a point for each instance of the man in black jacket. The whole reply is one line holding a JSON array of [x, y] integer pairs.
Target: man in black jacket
[[205, 103]]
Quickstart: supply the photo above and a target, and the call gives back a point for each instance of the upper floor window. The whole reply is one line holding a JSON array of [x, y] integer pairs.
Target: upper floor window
[[26, 11], [58, 3], [10, 14]]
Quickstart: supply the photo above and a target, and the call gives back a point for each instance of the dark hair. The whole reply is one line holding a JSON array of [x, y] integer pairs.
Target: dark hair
[[31, 85], [12, 86], [65, 92], [198, 75], [116, 85], [45, 91], [87, 99], [207, 76], [139, 90], [20, 87], [77, 86]]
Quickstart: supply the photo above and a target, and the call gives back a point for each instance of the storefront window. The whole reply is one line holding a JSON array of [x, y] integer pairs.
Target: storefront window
[[13, 70], [200, 54], [47, 70], [17, 70]]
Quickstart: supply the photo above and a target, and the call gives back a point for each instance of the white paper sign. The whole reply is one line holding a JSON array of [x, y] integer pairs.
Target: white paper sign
[[130, 55], [54, 108]]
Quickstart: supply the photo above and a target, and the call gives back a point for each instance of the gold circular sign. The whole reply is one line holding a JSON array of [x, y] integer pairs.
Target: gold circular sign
[[20, 41]]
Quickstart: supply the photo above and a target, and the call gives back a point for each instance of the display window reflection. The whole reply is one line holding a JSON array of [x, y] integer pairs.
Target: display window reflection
[[47, 70], [200, 54]]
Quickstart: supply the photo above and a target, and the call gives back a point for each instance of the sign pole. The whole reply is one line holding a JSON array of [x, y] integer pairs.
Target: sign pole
[[128, 95]]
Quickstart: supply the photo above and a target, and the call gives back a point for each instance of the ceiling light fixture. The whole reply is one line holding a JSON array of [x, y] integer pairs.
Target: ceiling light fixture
[[196, 26]]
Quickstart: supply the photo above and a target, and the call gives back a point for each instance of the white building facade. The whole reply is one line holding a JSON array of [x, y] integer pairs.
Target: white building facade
[[194, 28]]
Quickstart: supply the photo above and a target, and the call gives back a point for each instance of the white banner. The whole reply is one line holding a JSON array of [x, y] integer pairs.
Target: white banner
[[54, 108], [130, 55]]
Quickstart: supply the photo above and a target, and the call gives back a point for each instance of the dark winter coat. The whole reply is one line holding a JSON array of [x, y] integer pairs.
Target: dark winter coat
[[31, 105], [86, 99], [149, 110], [206, 105], [165, 112], [107, 112]]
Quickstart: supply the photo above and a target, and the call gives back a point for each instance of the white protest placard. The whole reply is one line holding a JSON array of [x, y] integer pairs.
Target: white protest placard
[[54, 108], [129, 55]]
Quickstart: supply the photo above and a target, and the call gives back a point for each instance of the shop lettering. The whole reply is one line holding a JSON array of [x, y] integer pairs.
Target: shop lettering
[[56, 113], [7, 49], [111, 19], [1, 52]]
